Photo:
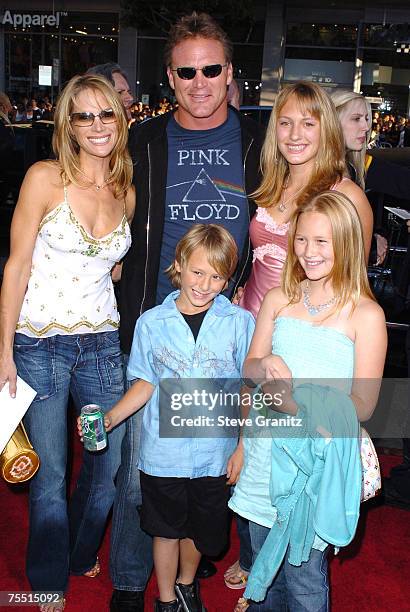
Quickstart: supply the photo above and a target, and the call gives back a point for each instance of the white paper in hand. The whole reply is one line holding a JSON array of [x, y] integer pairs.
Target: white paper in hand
[[12, 410]]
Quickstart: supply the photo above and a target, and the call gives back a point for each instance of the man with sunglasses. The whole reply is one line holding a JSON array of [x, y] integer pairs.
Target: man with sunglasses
[[195, 165]]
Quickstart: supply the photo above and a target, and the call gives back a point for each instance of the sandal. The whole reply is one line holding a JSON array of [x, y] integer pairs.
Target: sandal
[[235, 577], [55, 606], [241, 605], [94, 571]]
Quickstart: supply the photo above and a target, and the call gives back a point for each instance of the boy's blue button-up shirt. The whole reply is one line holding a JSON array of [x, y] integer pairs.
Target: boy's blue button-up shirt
[[164, 347]]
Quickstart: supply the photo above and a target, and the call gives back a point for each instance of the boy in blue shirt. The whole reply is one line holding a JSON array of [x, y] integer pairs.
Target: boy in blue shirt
[[194, 333]]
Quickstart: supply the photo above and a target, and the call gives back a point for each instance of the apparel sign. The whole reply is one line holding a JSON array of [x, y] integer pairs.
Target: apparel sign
[[26, 20]]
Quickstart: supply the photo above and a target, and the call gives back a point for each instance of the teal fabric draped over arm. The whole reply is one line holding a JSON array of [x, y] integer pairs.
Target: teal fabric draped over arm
[[319, 492]]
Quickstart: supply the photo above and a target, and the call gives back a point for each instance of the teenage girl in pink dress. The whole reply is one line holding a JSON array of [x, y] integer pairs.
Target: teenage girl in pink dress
[[303, 155]]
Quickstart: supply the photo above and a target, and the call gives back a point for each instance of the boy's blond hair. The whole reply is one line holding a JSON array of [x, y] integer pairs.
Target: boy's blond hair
[[218, 243]]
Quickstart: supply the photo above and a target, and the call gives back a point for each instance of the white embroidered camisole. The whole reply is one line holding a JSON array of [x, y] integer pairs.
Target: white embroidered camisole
[[70, 290]]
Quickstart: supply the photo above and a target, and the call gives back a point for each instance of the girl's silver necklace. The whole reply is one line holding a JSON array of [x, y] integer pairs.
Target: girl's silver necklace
[[282, 205], [314, 310]]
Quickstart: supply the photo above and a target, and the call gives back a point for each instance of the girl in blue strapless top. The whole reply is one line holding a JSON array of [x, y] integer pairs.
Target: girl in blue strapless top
[[296, 166], [322, 323]]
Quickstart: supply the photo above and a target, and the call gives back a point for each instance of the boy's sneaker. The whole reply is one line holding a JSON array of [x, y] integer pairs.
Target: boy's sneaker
[[188, 595], [169, 606]]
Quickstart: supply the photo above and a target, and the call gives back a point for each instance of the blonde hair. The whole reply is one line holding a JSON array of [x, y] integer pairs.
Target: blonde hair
[[349, 273], [65, 146], [341, 99], [4, 102], [218, 243], [330, 161]]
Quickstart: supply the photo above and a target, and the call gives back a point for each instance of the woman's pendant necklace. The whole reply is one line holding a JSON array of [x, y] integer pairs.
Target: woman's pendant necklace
[[98, 187], [282, 205], [314, 310], [93, 184]]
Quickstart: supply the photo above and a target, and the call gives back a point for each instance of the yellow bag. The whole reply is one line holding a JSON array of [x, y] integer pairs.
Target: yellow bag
[[19, 461]]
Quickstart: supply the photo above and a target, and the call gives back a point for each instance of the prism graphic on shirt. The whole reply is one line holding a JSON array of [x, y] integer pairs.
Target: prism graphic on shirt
[[205, 200]]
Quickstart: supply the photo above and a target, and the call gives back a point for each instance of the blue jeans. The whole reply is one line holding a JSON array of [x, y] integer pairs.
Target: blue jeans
[[89, 366], [245, 546], [303, 588], [131, 548]]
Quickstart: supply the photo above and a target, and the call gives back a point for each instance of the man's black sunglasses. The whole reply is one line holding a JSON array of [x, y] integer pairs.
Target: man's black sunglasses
[[188, 72]]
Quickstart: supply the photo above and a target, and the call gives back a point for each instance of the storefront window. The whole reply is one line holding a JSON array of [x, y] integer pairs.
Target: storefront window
[[20, 60], [83, 39], [332, 67], [152, 84], [80, 53], [385, 36], [320, 52], [322, 35], [387, 76]]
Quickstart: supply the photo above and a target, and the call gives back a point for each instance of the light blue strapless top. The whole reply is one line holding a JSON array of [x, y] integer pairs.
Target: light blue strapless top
[[311, 351]]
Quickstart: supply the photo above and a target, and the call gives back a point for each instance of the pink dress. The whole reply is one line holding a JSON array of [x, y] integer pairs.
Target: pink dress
[[270, 244]]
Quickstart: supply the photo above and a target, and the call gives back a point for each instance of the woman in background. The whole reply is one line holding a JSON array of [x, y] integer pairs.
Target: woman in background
[[368, 172]]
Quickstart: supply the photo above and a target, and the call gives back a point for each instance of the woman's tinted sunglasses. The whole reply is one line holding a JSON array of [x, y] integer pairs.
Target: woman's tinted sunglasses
[[188, 72], [87, 119]]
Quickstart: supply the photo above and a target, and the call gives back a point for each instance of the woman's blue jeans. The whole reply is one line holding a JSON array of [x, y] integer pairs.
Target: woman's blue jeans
[[89, 366], [131, 548], [303, 588]]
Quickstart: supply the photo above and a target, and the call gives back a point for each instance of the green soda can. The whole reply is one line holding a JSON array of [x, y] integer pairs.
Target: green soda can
[[92, 422]]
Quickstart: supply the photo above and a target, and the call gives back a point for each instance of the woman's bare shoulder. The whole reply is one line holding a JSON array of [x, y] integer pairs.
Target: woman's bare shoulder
[[352, 191], [42, 188], [48, 171]]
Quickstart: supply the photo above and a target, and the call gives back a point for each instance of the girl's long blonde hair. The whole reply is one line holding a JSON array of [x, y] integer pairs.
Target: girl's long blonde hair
[[330, 161], [65, 146], [341, 99], [349, 273]]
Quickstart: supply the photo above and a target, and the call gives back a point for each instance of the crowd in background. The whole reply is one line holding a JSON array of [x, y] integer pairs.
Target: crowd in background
[[389, 129], [25, 110], [141, 111]]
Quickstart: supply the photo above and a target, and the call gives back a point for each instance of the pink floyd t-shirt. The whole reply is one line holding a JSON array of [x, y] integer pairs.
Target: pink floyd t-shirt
[[205, 184]]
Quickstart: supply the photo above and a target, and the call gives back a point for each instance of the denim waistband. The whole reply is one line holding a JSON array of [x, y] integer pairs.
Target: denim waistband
[[97, 339]]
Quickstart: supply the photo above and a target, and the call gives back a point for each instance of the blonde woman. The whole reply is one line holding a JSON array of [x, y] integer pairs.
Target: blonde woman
[[303, 155], [355, 115], [322, 324], [57, 305]]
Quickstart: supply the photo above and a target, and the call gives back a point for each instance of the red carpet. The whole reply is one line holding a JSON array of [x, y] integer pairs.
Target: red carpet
[[371, 575]]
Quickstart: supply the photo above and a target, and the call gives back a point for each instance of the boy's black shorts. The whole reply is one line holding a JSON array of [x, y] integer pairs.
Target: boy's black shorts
[[195, 508]]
